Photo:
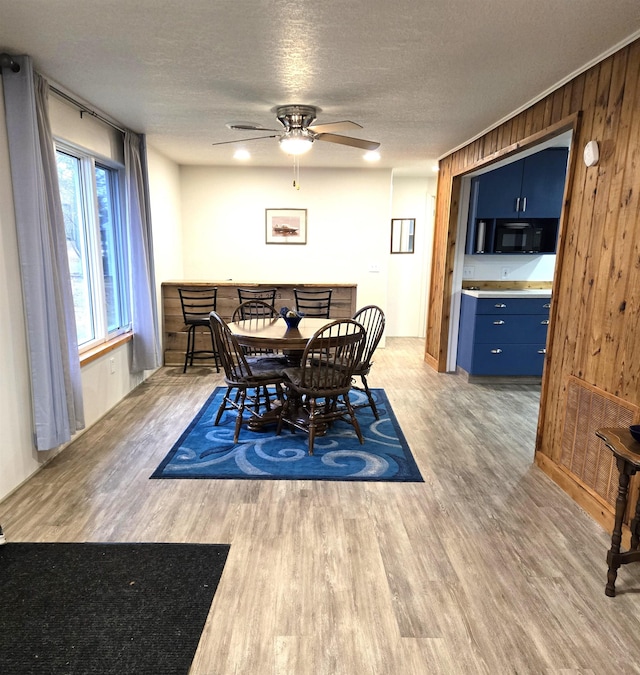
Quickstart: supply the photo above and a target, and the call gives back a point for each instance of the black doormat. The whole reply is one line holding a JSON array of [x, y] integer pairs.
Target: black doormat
[[104, 608]]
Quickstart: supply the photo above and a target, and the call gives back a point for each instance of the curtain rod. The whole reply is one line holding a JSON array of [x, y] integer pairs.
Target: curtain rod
[[83, 109], [7, 61]]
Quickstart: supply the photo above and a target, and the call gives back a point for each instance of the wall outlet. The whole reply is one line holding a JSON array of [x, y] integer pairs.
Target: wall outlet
[[506, 271], [468, 271], [374, 267]]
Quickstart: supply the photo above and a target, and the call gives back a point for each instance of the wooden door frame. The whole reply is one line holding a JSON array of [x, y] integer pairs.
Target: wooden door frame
[[569, 123]]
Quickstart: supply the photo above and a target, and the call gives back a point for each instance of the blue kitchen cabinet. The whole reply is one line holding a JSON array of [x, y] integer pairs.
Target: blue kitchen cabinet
[[529, 188], [497, 192], [503, 336]]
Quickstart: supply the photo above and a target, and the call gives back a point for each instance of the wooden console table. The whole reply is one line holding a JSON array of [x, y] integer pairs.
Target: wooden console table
[[174, 332], [627, 453]]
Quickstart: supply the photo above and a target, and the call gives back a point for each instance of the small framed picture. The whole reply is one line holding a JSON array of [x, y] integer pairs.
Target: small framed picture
[[286, 226]]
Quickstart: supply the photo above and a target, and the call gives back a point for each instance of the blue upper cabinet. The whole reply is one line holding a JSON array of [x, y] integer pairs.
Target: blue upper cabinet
[[543, 179], [528, 188], [498, 192]]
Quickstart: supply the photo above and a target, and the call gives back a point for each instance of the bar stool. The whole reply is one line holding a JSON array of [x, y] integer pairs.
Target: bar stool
[[266, 295], [315, 303], [197, 304]]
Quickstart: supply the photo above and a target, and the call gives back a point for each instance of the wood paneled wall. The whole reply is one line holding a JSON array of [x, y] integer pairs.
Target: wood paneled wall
[[595, 322], [174, 331]]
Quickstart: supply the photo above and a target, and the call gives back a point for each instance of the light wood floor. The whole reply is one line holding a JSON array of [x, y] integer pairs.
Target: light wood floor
[[486, 567]]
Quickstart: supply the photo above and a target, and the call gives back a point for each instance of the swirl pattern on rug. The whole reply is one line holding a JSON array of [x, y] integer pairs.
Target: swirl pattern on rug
[[207, 451]]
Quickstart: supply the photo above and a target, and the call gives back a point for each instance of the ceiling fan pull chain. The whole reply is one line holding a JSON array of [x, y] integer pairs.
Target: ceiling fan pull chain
[[296, 173]]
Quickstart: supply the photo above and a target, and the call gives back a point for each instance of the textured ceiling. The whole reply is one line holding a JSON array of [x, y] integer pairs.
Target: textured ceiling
[[420, 76]]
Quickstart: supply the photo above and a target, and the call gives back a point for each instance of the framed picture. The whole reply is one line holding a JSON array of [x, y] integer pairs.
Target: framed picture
[[403, 232], [286, 226]]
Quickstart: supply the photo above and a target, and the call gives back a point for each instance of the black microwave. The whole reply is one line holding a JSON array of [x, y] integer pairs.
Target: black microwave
[[517, 237]]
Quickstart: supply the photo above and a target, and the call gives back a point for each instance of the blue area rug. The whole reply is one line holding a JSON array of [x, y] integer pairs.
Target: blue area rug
[[208, 451]]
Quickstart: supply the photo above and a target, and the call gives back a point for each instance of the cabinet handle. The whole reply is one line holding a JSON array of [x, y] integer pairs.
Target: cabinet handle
[[542, 351], [517, 204], [500, 305], [496, 351], [545, 322], [498, 323], [524, 204], [546, 306]]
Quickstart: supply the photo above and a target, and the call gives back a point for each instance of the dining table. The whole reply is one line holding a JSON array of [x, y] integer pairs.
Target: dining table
[[272, 333]]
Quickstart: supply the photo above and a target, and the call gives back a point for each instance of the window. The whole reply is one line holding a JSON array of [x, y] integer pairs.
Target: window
[[96, 245]]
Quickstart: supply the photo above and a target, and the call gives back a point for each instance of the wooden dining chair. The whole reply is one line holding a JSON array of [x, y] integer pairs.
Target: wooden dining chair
[[323, 380], [260, 314], [247, 379], [373, 320], [254, 309], [315, 303]]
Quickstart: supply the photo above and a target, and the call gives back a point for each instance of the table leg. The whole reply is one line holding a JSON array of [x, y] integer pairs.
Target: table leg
[[635, 526], [616, 537]]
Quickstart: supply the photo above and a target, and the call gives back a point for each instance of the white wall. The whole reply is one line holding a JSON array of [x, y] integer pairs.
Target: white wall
[[105, 382], [409, 273], [348, 216], [84, 131], [164, 191]]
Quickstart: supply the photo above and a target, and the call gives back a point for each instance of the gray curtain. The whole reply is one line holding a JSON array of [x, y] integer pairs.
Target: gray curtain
[[146, 342], [56, 387]]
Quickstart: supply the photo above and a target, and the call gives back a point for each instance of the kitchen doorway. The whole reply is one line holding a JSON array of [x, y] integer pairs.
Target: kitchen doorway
[[465, 268]]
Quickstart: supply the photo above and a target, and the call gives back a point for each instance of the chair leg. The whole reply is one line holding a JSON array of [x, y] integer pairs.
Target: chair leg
[[190, 347], [354, 419], [283, 412], [260, 393], [370, 397], [312, 424], [243, 395], [223, 406], [282, 419], [279, 393]]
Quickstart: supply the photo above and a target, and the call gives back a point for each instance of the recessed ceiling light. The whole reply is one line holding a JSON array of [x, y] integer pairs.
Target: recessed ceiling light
[[372, 156], [435, 167], [241, 153]]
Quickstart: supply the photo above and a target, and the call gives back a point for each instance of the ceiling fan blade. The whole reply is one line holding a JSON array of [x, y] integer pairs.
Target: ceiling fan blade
[[347, 140], [248, 126], [345, 125], [244, 140]]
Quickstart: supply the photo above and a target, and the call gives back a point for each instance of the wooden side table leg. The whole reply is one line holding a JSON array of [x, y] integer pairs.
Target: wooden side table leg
[[616, 537], [634, 527]]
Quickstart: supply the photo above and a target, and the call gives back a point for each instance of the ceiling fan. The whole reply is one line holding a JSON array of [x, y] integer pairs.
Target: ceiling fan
[[300, 132]]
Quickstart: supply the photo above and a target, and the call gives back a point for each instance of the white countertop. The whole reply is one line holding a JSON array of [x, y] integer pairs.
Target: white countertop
[[497, 293]]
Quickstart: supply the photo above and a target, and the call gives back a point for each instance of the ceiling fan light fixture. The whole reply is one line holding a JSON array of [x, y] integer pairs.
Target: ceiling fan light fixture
[[296, 142], [372, 156]]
